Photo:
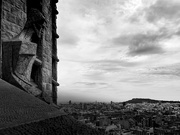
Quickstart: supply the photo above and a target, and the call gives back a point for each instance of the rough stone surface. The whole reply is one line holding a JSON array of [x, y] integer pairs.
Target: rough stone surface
[[12, 20], [18, 59], [14, 16], [13, 12]]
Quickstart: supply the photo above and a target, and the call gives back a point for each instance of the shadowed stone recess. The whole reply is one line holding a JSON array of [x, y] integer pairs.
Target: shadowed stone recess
[[18, 59]]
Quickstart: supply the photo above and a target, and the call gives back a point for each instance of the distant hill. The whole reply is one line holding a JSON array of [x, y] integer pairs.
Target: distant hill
[[141, 100]]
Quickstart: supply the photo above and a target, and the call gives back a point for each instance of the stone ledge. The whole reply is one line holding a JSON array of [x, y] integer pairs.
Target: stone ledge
[[55, 57], [55, 82], [38, 62]]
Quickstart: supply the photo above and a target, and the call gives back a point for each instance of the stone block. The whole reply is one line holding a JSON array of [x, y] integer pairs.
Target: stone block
[[45, 78], [19, 22], [49, 59], [10, 1], [19, 4], [28, 48], [23, 1], [7, 6], [10, 17], [7, 35], [35, 91], [15, 11], [25, 8], [15, 28], [46, 51], [47, 66], [23, 16], [48, 87], [6, 25], [46, 97], [4, 14], [48, 37]]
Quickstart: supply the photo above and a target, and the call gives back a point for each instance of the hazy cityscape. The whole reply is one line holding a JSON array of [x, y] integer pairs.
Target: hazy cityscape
[[134, 117]]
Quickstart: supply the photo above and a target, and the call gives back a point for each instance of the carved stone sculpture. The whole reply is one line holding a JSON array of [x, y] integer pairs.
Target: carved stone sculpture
[[34, 25], [20, 53]]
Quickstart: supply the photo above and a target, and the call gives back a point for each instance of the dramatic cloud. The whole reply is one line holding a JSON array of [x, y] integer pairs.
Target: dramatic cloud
[[168, 71], [119, 49], [163, 9], [141, 44]]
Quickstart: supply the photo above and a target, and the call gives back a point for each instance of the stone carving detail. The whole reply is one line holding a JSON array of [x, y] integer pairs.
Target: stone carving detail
[[20, 53], [35, 24]]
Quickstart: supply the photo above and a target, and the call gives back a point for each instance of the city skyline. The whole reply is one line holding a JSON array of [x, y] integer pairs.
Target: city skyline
[[115, 50]]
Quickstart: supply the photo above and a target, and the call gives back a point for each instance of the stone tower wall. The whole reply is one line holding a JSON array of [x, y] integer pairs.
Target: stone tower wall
[[13, 18], [47, 51]]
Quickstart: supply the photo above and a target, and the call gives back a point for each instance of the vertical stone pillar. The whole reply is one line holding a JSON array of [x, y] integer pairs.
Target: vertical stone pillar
[[13, 17], [55, 59], [0, 41], [47, 53]]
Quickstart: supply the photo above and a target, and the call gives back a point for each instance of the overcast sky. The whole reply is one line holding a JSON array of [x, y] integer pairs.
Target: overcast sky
[[115, 50]]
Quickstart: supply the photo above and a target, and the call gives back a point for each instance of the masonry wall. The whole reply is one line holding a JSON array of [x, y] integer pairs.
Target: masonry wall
[[47, 52], [0, 41], [13, 18], [55, 59]]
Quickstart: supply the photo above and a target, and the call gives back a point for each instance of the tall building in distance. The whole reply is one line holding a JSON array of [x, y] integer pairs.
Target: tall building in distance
[[28, 46]]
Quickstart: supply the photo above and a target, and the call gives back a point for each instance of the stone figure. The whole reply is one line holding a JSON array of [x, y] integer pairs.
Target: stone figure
[[34, 25], [22, 53]]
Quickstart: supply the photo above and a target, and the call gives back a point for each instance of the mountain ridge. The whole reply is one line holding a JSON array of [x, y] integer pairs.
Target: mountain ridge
[[148, 100]]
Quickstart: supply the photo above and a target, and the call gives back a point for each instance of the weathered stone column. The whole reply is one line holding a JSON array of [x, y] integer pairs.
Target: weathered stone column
[[0, 40], [55, 59]]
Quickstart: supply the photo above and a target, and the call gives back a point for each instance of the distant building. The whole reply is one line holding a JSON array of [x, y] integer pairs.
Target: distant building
[[28, 48], [69, 102]]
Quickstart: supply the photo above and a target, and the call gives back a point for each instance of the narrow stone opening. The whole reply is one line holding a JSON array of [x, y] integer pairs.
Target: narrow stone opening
[[54, 93], [35, 75], [35, 39], [54, 69], [37, 5]]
